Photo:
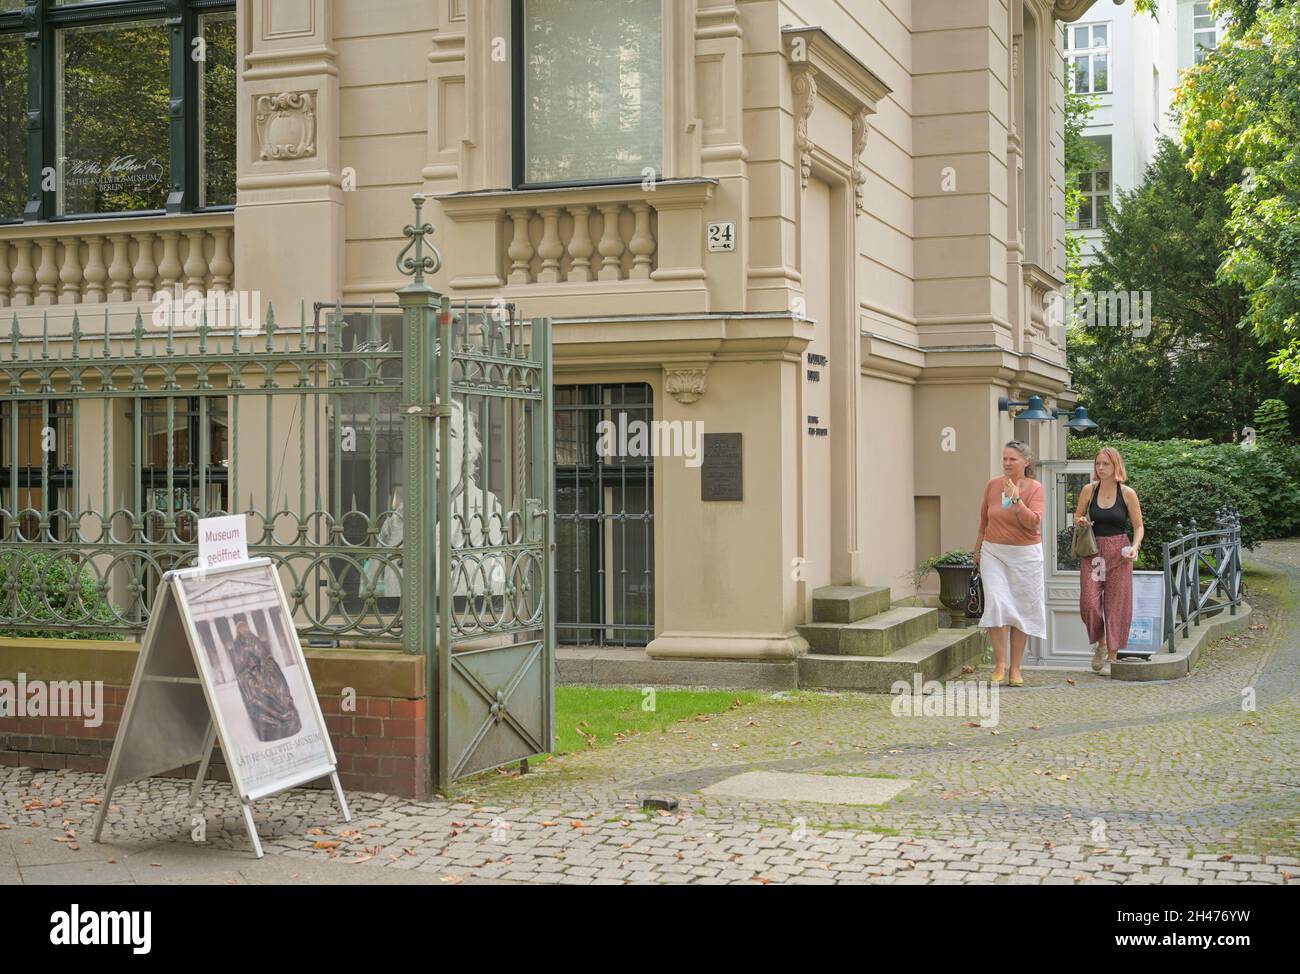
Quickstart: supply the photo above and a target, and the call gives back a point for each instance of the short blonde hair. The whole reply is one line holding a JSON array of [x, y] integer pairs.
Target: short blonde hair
[[1117, 461]]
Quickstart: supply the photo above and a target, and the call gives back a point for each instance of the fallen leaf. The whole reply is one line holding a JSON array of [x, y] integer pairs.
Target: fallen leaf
[[995, 731], [1070, 680], [57, 803], [971, 723], [1034, 727], [549, 824], [330, 844], [34, 804], [1062, 777], [577, 824], [764, 880], [1049, 844], [315, 831], [968, 669], [1225, 858], [353, 862], [452, 878]]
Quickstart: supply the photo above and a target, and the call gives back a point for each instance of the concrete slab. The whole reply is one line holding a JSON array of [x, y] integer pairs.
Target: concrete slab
[[822, 788], [95, 872]]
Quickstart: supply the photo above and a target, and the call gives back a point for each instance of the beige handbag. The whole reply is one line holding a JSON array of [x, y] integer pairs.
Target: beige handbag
[[1084, 542]]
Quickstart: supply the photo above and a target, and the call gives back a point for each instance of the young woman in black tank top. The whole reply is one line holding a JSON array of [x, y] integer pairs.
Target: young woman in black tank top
[[1106, 579]]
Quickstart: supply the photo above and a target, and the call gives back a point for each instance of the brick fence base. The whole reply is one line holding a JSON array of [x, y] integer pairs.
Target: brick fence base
[[373, 702]]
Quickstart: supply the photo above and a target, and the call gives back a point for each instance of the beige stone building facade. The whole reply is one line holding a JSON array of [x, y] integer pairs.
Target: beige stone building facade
[[828, 227]]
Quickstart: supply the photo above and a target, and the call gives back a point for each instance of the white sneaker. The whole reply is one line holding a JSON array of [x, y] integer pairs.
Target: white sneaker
[[1098, 658]]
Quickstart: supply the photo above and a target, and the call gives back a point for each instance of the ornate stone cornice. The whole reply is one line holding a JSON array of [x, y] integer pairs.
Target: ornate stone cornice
[[1071, 10], [819, 66]]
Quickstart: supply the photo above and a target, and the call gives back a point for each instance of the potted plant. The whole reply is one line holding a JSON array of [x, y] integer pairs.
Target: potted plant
[[954, 568]]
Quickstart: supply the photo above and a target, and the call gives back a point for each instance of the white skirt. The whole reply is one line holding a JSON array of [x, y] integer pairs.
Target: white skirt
[[1013, 587]]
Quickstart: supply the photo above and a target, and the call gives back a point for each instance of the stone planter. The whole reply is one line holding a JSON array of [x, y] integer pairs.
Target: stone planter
[[954, 580]]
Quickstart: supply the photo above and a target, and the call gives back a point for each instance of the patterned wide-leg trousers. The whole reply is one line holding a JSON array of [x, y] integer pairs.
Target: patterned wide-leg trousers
[[1106, 593]]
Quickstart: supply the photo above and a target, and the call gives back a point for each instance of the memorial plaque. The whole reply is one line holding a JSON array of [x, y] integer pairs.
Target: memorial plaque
[[721, 476]]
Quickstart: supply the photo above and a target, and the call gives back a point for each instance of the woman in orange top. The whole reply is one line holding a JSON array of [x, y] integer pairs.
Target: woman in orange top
[[1009, 551]]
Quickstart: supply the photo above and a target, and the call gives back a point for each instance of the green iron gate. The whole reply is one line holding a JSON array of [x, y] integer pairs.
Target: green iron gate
[[479, 520]]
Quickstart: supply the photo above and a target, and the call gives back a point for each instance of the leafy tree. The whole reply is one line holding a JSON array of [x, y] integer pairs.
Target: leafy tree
[[1271, 423], [1197, 373], [1240, 111]]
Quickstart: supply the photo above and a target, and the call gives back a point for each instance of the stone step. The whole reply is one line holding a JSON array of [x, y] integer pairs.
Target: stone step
[[847, 603], [939, 656], [881, 634]]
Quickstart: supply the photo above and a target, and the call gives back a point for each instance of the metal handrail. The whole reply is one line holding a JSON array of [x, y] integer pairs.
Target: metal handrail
[[1218, 552]]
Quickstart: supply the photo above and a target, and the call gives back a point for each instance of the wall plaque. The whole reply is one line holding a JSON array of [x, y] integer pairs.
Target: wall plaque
[[721, 474]]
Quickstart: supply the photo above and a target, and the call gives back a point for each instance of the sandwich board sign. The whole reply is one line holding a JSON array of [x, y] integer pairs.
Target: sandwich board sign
[[1146, 635], [221, 662]]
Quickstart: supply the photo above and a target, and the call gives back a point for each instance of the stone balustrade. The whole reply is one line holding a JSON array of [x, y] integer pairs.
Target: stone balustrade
[[122, 260], [577, 238]]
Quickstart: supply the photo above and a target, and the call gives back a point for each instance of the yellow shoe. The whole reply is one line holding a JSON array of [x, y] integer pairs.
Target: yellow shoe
[[1013, 682], [997, 678]]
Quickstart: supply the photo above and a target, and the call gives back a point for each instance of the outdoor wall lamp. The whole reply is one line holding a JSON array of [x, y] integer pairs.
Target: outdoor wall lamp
[[1078, 419], [1036, 412]]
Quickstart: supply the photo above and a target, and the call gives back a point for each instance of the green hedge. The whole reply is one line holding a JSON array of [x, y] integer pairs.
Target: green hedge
[[1178, 480], [70, 591]]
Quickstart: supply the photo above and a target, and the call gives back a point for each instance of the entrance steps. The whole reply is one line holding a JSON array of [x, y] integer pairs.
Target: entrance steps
[[859, 640]]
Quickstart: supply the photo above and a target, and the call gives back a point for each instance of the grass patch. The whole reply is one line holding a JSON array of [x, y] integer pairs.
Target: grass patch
[[588, 717]]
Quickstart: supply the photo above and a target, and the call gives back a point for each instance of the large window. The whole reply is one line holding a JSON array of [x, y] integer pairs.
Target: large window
[[116, 107], [1205, 33], [1087, 54], [604, 520], [588, 90], [1094, 211]]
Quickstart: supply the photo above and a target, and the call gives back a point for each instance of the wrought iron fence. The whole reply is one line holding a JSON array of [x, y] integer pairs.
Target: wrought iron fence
[[113, 448], [1202, 576]]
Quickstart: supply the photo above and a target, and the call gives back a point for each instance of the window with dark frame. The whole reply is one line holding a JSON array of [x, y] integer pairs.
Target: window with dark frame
[[190, 471], [116, 107], [37, 450], [588, 91]]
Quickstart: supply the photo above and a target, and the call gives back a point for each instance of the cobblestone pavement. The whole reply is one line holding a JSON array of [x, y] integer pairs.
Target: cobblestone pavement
[[1083, 781]]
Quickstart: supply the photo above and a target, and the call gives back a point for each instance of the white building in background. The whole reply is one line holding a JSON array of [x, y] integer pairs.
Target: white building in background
[[1130, 62]]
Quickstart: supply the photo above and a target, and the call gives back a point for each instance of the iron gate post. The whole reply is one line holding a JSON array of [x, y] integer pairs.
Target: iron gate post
[[422, 307]]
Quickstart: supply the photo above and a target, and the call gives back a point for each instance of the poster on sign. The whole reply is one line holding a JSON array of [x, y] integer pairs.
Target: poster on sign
[[271, 729], [1146, 634], [221, 664]]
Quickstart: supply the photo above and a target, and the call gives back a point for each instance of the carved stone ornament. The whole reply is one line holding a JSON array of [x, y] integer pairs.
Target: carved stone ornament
[[286, 125], [805, 96], [859, 167], [1071, 10], [684, 385]]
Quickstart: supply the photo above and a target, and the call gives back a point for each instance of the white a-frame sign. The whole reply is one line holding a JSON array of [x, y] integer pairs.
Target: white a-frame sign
[[221, 661]]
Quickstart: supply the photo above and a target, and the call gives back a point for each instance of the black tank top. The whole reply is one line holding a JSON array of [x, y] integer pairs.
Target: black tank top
[[1108, 522]]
